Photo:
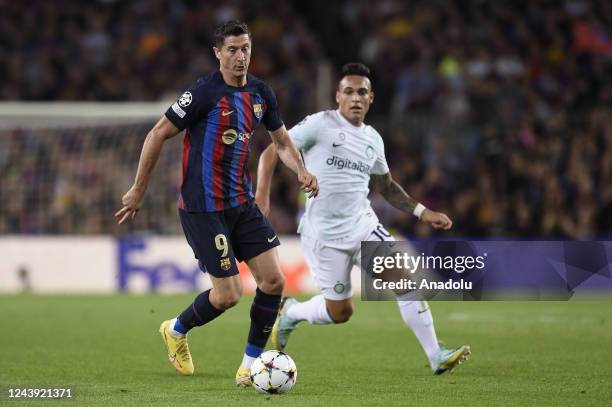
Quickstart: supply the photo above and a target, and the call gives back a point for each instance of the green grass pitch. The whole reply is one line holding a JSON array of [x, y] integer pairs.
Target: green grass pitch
[[109, 350]]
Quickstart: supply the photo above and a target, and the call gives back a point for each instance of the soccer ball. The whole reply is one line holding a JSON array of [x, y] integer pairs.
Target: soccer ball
[[273, 372]]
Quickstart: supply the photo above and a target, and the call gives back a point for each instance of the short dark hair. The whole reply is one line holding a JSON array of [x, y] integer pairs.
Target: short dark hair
[[233, 27], [355, 68]]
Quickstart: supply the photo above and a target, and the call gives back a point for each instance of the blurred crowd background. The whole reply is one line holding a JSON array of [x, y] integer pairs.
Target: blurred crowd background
[[497, 113]]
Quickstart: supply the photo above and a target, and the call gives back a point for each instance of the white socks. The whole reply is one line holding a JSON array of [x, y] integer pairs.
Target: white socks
[[313, 311], [247, 361], [417, 315], [172, 331]]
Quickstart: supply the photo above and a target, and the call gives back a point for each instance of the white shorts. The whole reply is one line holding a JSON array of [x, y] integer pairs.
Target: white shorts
[[331, 261]]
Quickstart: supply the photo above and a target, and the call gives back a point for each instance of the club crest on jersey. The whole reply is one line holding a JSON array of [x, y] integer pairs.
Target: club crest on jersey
[[342, 136], [370, 152], [185, 99], [258, 111], [225, 264]]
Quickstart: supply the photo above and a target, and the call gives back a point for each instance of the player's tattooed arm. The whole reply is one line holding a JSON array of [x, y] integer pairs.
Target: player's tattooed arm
[[396, 196], [392, 192]]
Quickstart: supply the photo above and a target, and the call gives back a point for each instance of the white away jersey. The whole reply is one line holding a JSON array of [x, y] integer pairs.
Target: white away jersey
[[342, 157]]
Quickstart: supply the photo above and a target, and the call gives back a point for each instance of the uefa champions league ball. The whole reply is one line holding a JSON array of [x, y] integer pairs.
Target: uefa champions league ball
[[273, 372]]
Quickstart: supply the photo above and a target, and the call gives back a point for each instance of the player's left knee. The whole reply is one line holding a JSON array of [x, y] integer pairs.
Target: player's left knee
[[274, 284], [228, 300]]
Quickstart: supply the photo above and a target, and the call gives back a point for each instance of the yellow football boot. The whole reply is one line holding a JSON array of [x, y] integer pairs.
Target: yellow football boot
[[243, 377], [178, 350]]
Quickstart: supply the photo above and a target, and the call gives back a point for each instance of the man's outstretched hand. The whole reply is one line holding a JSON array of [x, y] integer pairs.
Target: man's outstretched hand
[[437, 219], [132, 202], [308, 183]]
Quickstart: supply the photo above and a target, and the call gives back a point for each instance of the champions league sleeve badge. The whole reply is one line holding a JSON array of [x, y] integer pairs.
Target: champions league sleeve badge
[[185, 99]]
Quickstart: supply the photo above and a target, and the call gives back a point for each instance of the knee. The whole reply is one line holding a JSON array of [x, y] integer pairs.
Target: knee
[[273, 284], [341, 314], [227, 299]]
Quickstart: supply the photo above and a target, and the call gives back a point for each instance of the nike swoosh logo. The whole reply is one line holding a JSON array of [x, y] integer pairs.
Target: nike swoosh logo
[[270, 240], [425, 310], [227, 113], [171, 358], [336, 145]]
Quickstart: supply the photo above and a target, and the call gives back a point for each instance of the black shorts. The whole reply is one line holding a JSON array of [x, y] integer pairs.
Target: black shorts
[[218, 239]]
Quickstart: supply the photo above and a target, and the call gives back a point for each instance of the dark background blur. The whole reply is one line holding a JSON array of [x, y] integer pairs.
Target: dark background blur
[[497, 113]]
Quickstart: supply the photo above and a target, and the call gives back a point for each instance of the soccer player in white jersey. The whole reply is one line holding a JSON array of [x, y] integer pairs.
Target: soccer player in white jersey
[[346, 155]]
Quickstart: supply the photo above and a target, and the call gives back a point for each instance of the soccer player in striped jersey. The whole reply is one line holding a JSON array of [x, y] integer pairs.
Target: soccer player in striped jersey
[[346, 155], [222, 224]]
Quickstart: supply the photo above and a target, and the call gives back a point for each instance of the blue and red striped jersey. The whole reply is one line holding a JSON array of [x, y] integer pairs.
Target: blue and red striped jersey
[[219, 120]]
